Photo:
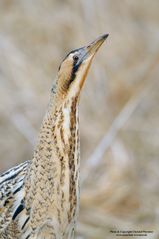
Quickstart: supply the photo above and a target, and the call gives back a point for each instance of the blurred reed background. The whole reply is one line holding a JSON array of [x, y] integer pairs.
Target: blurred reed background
[[119, 110]]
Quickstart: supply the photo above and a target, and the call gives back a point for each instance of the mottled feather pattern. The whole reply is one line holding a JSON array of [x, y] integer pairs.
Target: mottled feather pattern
[[42, 195], [39, 199], [11, 193], [49, 182]]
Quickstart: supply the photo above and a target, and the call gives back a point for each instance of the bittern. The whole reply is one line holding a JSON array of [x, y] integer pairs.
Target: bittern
[[39, 199]]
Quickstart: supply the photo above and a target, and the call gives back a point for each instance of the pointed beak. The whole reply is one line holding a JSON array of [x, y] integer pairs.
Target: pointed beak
[[87, 54], [95, 45], [90, 50]]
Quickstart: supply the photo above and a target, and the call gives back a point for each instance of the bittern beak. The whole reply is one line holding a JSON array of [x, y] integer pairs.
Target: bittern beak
[[85, 55], [74, 68], [91, 49], [95, 45]]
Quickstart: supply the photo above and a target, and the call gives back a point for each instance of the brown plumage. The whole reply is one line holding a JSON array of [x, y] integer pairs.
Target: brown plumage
[[40, 198]]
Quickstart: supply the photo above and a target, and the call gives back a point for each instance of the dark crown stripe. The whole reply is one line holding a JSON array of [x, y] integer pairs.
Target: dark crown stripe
[[73, 51]]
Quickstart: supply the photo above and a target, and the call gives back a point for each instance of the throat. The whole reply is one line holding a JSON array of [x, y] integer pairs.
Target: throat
[[54, 172]]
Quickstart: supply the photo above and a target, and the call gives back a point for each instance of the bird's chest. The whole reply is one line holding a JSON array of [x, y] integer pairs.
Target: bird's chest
[[56, 201], [61, 210], [67, 150]]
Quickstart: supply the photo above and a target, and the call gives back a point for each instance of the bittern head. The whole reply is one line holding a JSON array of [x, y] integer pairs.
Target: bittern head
[[74, 68]]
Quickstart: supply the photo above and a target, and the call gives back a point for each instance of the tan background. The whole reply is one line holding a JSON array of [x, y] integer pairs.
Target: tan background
[[120, 175]]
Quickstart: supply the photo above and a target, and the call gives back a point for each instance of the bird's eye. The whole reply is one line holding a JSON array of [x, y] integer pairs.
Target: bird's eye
[[75, 57]]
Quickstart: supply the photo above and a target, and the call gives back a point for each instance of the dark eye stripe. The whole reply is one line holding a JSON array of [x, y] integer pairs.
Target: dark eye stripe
[[76, 50], [74, 71]]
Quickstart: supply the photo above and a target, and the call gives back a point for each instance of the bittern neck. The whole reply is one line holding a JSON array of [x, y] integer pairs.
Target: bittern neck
[[66, 90], [60, 125], [56, 162]]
